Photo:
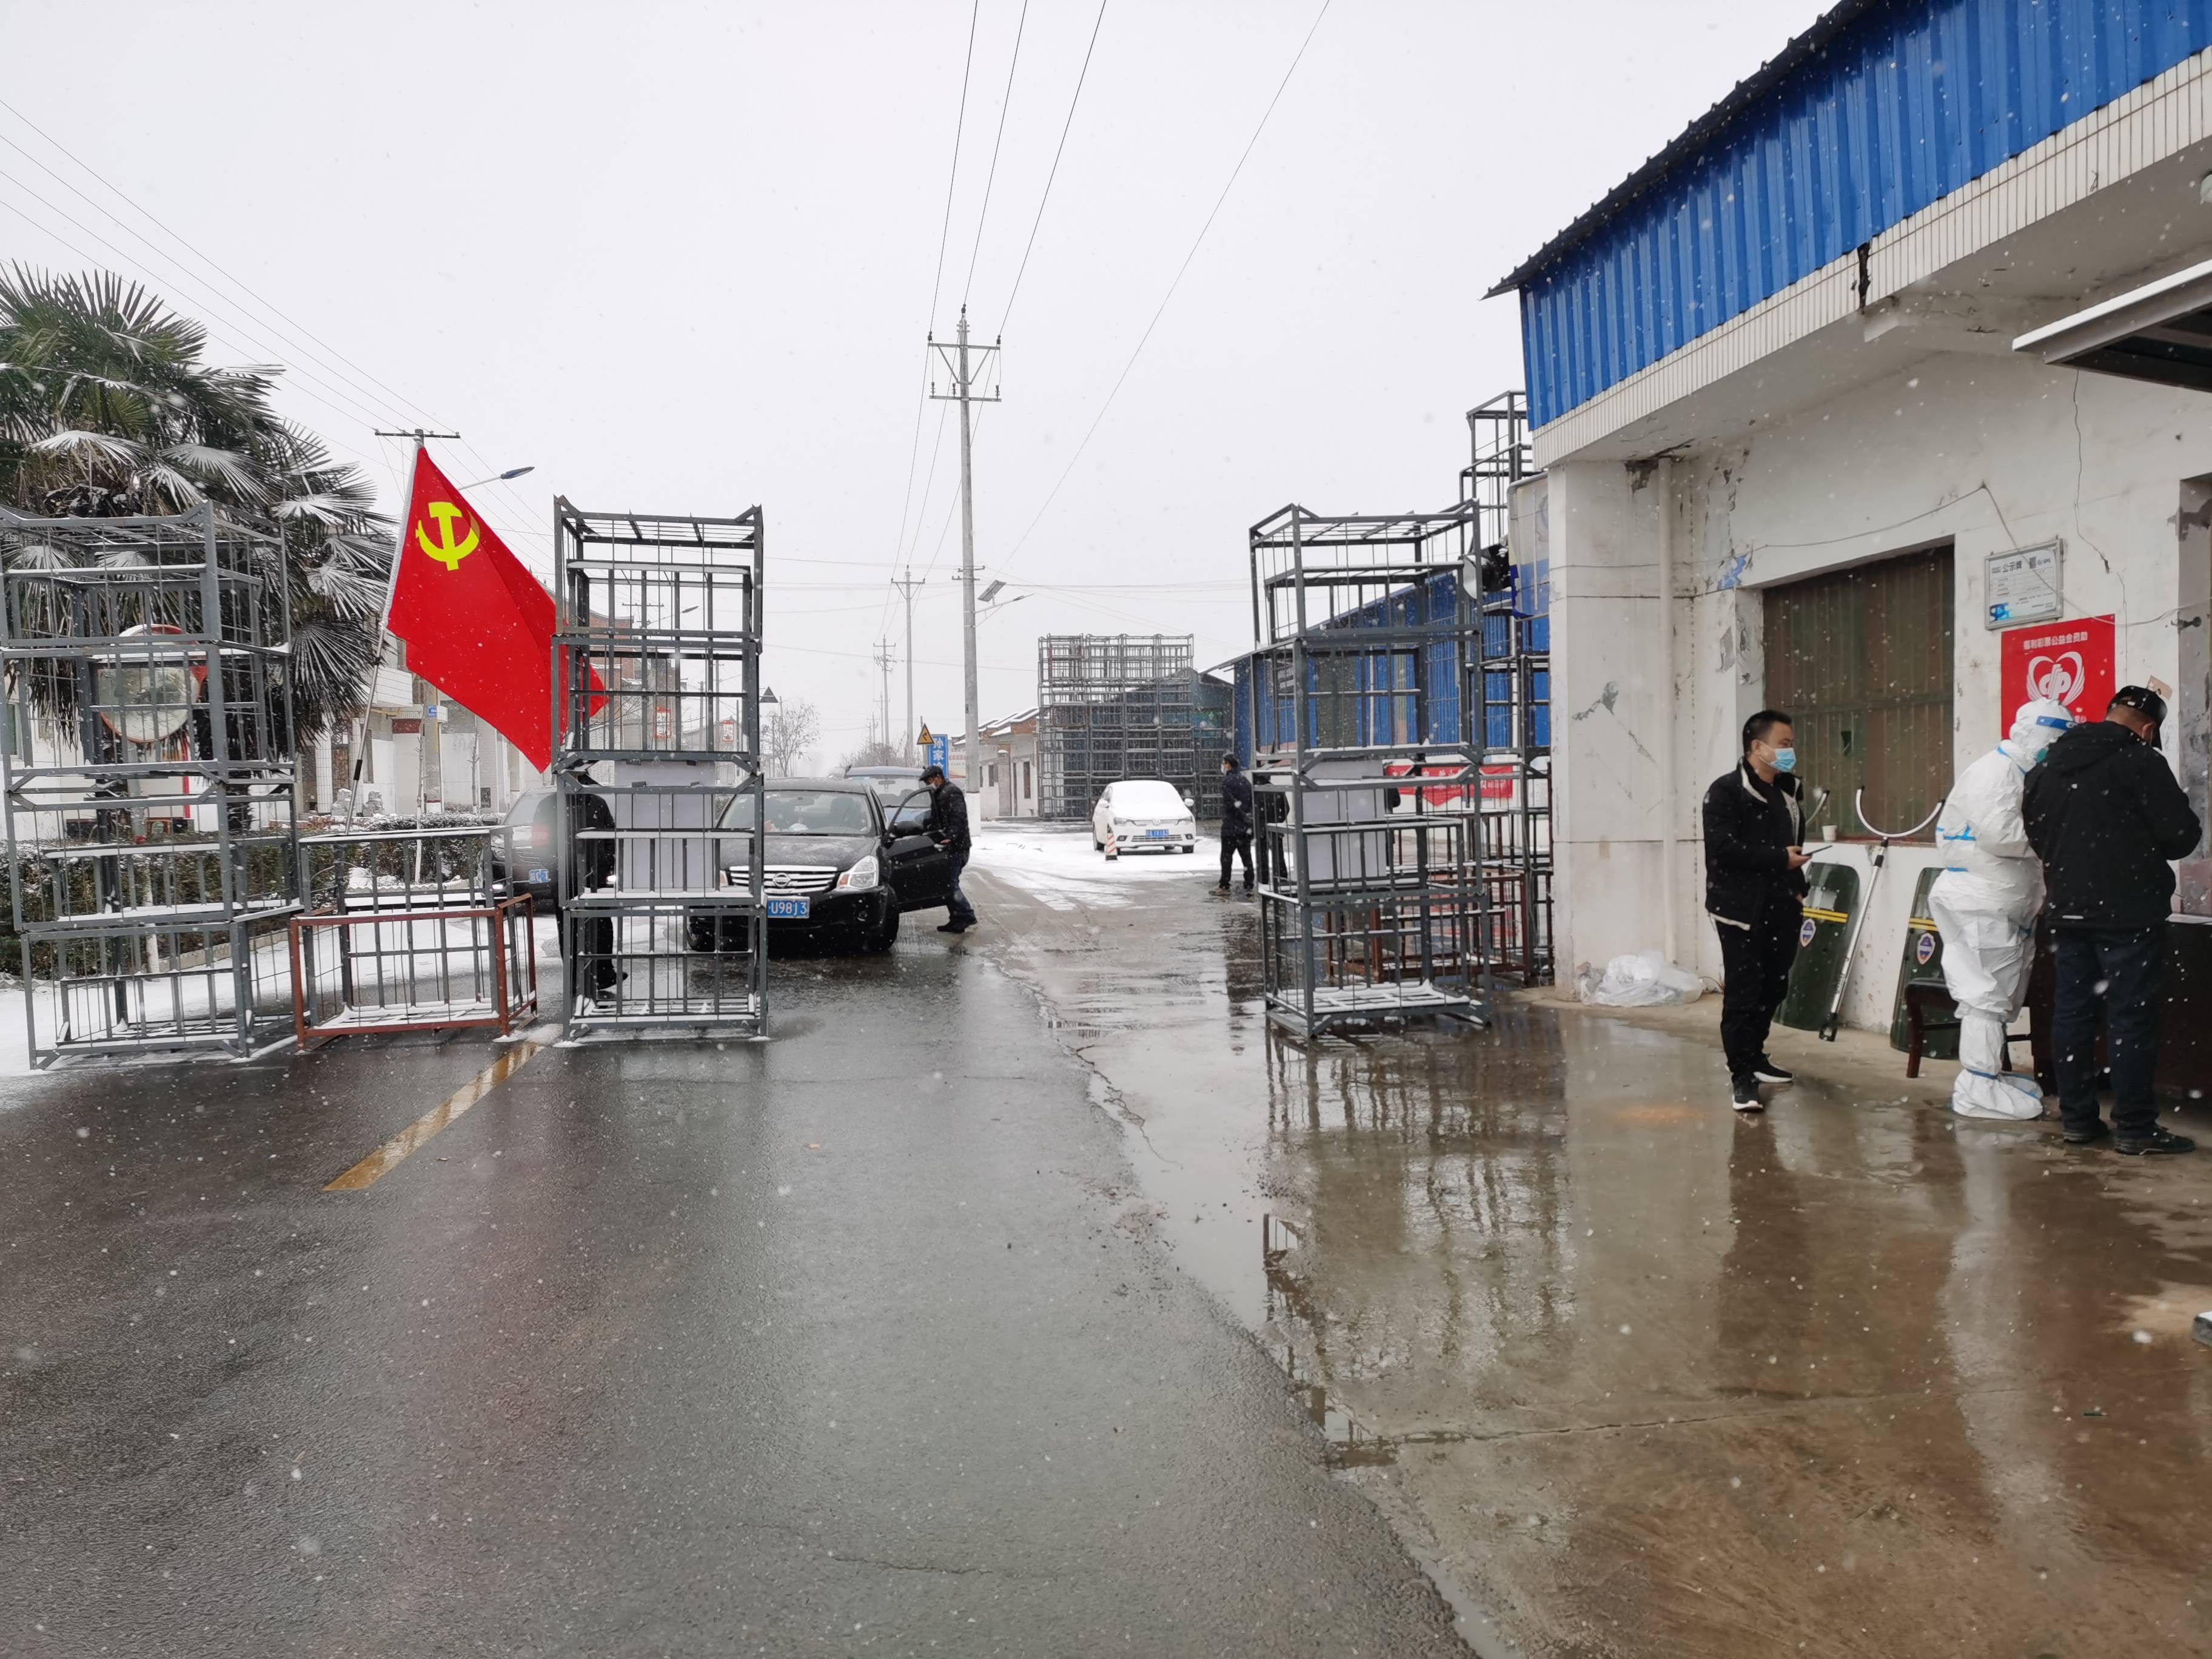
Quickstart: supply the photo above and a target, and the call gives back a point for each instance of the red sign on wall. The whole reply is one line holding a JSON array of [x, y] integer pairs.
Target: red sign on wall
[[2070, 662]]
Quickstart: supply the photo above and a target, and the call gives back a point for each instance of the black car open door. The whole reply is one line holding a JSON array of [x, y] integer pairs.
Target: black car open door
[[913, 864]]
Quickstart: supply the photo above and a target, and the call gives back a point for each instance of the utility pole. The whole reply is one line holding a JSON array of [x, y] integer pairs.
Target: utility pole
[[968, 363], [884, 659], [906, 584], [430, 754]]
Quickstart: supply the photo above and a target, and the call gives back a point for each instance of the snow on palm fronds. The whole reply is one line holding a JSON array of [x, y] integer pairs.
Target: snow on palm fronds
[[107, 410]]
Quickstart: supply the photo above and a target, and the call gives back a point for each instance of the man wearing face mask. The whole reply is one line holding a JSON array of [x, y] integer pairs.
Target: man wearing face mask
[[1754, 885], [2104, 813], [1984, 905]]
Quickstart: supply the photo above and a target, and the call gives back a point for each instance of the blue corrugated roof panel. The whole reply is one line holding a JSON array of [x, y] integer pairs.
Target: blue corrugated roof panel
[[1869, 116]]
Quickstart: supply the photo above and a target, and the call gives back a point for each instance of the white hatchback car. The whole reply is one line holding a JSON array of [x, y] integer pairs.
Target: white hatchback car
[[1137, 813]]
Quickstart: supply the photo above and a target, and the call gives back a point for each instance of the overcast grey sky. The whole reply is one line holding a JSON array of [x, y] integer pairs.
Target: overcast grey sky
[[680, 257]]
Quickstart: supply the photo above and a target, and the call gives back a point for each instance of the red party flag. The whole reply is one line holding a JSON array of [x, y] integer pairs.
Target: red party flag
[[479, 625]]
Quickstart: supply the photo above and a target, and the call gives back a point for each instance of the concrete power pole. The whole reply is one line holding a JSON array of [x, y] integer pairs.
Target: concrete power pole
[[884, 659], [906, 584], [967, 364]]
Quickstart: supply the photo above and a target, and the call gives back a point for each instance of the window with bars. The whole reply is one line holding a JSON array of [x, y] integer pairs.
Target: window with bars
[[1862, 659]]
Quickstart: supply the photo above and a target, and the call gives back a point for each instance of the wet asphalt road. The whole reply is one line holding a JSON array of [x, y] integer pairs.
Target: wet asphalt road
[[856, 1341]]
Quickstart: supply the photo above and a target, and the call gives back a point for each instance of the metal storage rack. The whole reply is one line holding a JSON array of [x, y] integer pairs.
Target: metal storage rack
[[657, 691], [148, 775], [1114, 706], [1515, 674], [1372, 908]]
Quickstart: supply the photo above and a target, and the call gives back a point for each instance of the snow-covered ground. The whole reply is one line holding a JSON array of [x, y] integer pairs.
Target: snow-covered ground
[[1055, 864]]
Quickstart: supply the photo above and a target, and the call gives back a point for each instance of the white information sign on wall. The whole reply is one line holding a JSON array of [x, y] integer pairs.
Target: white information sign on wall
[[2021, 585]]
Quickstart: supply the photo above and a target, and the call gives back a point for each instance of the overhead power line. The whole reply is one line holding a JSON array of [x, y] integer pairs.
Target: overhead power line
[[1196, 242], [936, 286], [252, 295], [1082, 74], [959, 126], [991, 177]]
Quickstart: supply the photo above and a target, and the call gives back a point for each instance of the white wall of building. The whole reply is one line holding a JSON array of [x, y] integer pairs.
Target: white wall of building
[[1991, 452]]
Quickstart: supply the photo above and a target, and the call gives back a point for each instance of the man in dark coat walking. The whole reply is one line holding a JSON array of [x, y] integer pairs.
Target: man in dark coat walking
[[1754, 860], [2104, 815], [948, 827], [1235, 820]]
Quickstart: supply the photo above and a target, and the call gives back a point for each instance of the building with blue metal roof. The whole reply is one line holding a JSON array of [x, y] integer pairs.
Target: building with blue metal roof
[[1878, 394]]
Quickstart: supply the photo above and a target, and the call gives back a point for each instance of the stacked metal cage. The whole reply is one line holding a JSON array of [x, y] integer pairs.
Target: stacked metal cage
[[1373, 910], [1515, 679], [1114, 706], [657, 690], [153, 854]]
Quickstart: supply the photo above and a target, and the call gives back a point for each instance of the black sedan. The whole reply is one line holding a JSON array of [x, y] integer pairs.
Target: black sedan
[[842, 863], [531, 820]]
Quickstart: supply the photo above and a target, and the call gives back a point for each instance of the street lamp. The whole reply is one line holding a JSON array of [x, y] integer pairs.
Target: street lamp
[[500, 477]]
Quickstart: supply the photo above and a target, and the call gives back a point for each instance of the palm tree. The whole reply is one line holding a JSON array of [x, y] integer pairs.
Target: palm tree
[[107, 410]]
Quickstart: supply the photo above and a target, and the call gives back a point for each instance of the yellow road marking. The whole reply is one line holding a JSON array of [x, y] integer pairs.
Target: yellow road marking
[[389, 1156]]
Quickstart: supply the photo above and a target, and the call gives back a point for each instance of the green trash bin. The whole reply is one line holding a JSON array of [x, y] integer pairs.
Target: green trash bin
[[1824, 940]]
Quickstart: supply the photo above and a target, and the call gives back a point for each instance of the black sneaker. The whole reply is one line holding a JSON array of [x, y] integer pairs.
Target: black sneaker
[[1767, 1072], [2087, 1136], [1744, 1095], [953, 928], [2157, 1141]]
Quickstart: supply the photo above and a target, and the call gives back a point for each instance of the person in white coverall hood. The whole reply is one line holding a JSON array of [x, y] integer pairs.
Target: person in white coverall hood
[[1984, 905]]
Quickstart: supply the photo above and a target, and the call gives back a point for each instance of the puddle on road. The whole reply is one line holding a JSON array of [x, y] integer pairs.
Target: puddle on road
[[1697, 1381]]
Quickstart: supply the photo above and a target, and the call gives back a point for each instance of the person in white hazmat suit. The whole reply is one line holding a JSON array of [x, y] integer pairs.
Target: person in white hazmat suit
[[1984, 904]]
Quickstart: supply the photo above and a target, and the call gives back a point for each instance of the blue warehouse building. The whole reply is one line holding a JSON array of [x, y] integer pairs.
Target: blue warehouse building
[[1877, 395]]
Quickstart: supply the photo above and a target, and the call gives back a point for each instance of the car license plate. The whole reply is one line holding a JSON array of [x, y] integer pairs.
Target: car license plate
[[541, 877], [790, 909], [1155, 835]]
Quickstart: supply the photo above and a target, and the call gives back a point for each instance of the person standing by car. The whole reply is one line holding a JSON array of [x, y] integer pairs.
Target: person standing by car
[[948, 827], [594, 867], [2104, 815], [1754, 881], [1235, 820]]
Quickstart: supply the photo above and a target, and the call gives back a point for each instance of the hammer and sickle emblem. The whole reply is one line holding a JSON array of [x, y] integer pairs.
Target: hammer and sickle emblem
[[446, 550]]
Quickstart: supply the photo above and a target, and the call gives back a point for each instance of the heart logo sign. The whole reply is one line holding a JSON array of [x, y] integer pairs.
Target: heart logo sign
[[2071, 662], [2061, 678]]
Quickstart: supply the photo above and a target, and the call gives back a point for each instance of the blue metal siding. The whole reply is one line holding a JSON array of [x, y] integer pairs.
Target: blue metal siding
[[1907, 104]]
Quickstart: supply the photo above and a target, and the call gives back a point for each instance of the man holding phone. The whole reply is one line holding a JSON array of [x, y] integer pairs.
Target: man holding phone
[[1754, 888]]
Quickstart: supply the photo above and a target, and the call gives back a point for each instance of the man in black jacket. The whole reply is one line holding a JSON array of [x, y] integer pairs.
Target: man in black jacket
[[948, 827], [1754, 858], [2105, 815], [1235, 820]]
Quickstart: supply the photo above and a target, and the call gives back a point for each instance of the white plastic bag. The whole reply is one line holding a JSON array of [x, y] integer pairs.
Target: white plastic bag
[[1646, 980]]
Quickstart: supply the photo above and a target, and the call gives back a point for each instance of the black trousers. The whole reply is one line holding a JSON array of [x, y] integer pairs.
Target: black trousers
[[1240, 842], [1755, 961], [2116, 973]]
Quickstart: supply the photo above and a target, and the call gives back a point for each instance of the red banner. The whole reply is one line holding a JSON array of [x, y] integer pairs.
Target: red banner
[[477, 625]]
